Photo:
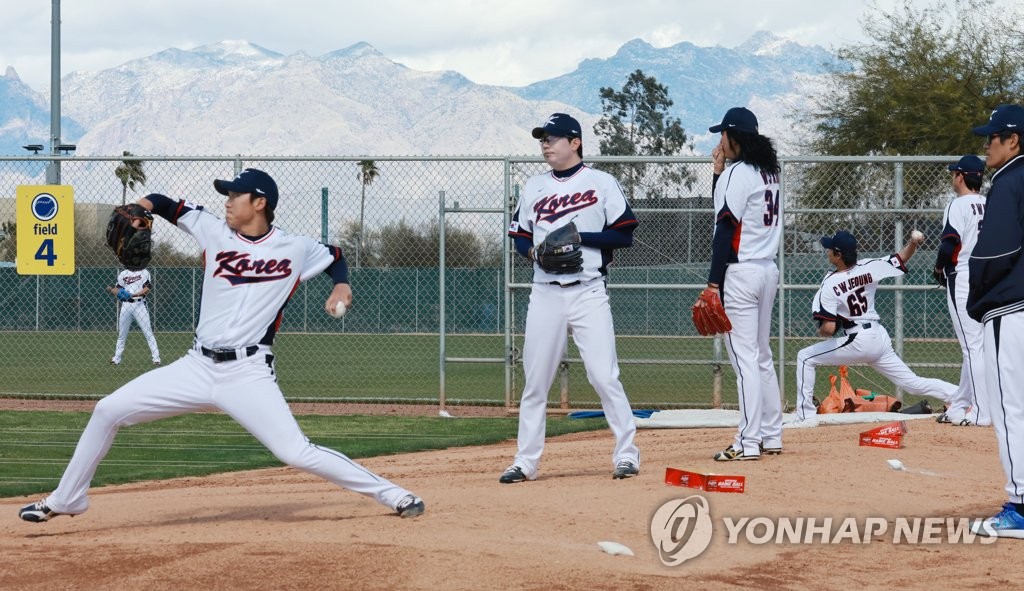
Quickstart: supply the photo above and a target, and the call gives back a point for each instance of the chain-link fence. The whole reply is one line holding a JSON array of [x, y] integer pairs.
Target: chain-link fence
[[421, 331]]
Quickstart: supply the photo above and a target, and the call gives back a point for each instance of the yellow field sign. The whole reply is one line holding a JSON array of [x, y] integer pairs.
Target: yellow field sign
[[46, 230]]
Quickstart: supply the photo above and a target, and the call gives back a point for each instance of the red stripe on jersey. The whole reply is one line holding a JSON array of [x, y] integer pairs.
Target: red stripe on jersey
[[280, 313], [736, 239], [956, 253]]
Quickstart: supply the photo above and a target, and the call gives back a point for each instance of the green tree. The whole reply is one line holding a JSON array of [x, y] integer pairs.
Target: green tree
[[367, 174], [636, 123], [916, 87], [130, 173]]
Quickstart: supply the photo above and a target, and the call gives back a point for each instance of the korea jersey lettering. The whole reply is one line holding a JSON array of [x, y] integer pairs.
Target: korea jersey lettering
[[248, 282], [848, 297], [962, 221], [134, 281], [590, 198], [750, 197]]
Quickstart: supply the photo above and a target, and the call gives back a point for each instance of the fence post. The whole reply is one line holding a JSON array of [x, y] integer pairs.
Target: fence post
[[441, 291], [898, 311]]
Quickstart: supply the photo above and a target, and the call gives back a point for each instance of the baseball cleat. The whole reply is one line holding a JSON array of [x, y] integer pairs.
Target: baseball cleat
[[943, 418], [771, 451], [410, 506], [965, 422], [1008, 523], [731, 455], [513, 474], [38, 512], [115, 362], [625, 469], [156, 363]]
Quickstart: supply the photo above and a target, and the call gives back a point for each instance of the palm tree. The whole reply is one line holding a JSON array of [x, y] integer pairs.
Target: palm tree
[[367, 173], [130, 173]]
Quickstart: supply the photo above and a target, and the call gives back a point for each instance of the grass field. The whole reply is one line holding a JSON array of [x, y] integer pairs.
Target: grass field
[[406, 367], [35, 446]]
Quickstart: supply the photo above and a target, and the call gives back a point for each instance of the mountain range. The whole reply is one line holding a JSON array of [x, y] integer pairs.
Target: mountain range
[[236, 97]]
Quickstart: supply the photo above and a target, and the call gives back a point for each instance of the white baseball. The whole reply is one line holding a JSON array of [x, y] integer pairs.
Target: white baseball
[[917, 236], [339, 309]]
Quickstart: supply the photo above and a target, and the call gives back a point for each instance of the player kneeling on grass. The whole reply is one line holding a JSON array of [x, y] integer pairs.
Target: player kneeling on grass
[[251, 270], [844, 309]]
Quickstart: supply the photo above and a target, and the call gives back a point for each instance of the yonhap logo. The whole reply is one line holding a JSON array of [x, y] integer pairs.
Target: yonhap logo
[[681, 529]]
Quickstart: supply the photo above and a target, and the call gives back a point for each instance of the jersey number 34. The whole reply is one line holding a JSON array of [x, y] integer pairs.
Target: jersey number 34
[[771, 208]]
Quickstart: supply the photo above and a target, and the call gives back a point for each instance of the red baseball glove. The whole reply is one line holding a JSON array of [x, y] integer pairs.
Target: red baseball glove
[[709, 315]]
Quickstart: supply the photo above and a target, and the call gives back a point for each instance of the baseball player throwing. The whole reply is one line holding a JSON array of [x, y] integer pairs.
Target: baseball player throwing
[[569, 290], [743, 272], [131, 291], [961, 226], [844, 308], [251, 270]]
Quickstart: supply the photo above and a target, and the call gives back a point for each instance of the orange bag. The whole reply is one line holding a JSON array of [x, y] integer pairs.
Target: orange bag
[[868, 401], [841, 400]]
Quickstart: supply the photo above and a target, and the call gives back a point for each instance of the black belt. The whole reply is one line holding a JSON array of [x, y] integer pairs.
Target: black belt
[[570, 284], [221, 355], [137, 299], [858, 327]]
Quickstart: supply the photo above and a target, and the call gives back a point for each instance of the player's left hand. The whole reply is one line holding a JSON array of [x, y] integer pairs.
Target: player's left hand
[[709, 315]]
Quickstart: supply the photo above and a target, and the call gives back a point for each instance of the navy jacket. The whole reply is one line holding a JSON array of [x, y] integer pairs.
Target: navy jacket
[[997, 269]]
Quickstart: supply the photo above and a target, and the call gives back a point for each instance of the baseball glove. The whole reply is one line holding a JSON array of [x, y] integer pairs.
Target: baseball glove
[[129, 235], [124, 295], [560, 252], [939, 276], [709, 315]]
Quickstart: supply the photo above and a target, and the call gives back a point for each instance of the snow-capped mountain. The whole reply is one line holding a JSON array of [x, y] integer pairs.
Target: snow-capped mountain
[[235, 97]]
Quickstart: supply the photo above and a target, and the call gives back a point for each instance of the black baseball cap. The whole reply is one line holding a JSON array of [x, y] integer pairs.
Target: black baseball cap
[[252, 181], [842, 241], [559, 125], [737, 118], [1003, 118], [969, 164]]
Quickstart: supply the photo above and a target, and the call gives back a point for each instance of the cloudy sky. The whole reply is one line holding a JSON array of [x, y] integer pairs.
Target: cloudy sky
[[507, 42]]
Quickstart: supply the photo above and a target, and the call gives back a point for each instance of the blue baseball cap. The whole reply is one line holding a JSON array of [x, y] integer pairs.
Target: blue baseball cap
[[969, 164], [252, 181], [559, 125], [842, 241], [737, 118], [1003, 118]]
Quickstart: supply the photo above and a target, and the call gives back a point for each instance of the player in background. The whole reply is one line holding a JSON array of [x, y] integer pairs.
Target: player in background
[[251, 270], [996, 298], [961, 224], [571, 192], [743, 270], [844, 308], [131, 290]]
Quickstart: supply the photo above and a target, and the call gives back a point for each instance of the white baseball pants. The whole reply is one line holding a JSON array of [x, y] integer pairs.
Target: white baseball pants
[[245, 389], [140, 313], [585, 309], [748, 296], [1004, 365], [871, 346], [970, 400]]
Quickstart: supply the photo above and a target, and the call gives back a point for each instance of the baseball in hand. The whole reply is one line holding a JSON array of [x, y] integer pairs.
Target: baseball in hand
[[339, 309], [917, 236]]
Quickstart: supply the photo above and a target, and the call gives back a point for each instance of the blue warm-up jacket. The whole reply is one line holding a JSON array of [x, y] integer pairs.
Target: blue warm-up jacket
[[997, 268]]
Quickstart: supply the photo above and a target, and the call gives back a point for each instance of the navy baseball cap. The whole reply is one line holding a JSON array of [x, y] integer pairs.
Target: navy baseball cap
[[969, 164], [252, 181], [1003, 118], [738, 118], [559, 125], [843, 241]]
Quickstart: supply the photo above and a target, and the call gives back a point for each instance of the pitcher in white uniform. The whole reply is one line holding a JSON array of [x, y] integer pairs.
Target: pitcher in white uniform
[[251, 271], [844, 309], [571, 192], [131, 290], [961, 225]]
